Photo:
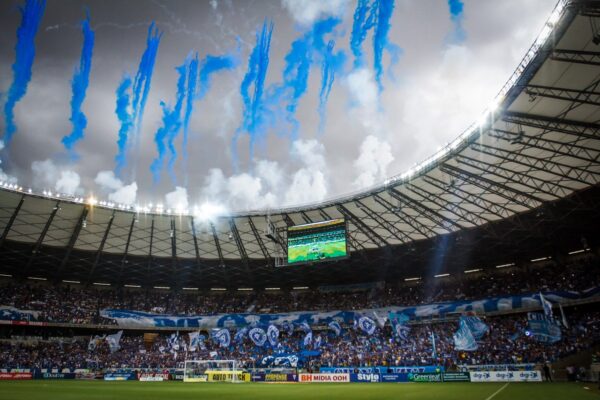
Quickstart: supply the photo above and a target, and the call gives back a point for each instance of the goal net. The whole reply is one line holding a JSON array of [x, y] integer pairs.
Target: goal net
[[212, 371]]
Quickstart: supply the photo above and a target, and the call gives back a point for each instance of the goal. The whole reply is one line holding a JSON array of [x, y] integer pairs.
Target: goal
[[212, 371]]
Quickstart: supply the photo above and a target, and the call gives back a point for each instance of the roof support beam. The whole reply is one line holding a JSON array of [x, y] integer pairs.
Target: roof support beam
[[40, 240], [537, 185], [11, 221], [437, 218], [305, 217], [72, 240], [570, 95], [217, 245], [548, 164], [454, 208], [102, 243], [416, 225], [124, 260], [238, 240], [512, 196], [471, 198], [195, 239], [174, 252], [579, 129], [363, 227], [397, 233], [259, 240], [150, 248], [576, 56]]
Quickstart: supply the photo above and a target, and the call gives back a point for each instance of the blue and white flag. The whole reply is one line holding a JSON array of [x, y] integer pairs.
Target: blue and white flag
[[173, 341], [258, 336], [308, 339], [547, 305], [113, 341], [365, 324], [400, 328], [476, 325], [222, 337], [542, 328], [240, 335], [317, 342], [380, 318], [464, 339], [194, 340], [273, 335], [335, 327], [288, 327], [94, 341], [305, 327]]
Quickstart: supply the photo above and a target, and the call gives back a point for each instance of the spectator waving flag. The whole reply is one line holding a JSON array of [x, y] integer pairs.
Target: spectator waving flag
[[317, 342], [400, 328], [173, 341], [258, 336], [543, 328], [308, 339], [113, 341], [94, 341], [477, 327], [240, 334], [288, 327], [365, 324], [547, 305], [464, 339], [194, 340], [381, 319], [273, 335], [222, 337], [305, 327], [335, 327]]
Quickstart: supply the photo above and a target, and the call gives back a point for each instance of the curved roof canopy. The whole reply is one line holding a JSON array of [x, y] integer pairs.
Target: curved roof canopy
[[539, 145]]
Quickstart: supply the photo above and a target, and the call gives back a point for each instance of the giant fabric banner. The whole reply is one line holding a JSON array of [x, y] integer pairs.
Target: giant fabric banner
[[542, 328], [492, 304], [14, 314], [280, 360]]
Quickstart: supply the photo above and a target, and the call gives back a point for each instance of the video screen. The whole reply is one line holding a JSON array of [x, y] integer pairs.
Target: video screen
[[320, 241]]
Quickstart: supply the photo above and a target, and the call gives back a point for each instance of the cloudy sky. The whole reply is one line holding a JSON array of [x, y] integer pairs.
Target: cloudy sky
[[319, 107]]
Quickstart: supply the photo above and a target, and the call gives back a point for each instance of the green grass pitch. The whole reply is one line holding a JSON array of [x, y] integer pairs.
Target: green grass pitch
[[309, 252], [96, 390]]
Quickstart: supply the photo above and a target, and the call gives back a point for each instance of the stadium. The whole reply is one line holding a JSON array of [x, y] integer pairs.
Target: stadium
[[473, 274]]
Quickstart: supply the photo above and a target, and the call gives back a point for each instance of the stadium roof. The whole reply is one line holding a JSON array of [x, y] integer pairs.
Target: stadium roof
[[534, 159]]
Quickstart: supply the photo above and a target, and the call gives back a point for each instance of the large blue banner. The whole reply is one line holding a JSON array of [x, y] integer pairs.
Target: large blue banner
[[492, 304], [542, 328]]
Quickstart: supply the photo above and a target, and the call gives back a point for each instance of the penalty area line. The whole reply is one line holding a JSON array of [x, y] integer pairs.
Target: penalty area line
[[497, 391]]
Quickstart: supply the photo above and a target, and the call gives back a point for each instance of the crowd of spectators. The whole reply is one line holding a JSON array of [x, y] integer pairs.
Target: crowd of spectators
[[505, 343], [78, 304]]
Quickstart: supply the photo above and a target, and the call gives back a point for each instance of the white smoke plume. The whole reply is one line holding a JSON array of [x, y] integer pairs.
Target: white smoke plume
[[61, 179], [118, 191], [177, 199]]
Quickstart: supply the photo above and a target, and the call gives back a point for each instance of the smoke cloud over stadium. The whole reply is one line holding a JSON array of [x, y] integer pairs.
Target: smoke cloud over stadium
[[248, 107]]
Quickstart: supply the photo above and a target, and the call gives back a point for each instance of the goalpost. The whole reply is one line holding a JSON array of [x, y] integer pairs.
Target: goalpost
[[212, 371]]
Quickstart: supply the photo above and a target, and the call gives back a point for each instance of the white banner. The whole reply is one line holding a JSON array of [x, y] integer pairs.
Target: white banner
[[506, 376], [328, 378]]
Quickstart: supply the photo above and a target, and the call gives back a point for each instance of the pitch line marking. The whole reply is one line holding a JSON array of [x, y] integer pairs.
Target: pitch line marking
[[497, 391]]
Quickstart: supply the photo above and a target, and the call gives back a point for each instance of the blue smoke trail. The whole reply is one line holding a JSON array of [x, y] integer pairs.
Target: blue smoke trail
[[170, 127], [124, 116], [310, 48], [192, 82], [199, 83], [376, 16], [363, 22], [381, 41], [253, 114], [143, 79], [456, 15], [79, 85], [31, 16], [130, 108]]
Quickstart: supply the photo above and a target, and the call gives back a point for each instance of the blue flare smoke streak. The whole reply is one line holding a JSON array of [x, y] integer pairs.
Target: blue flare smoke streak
[[79, 85], [31, 16]]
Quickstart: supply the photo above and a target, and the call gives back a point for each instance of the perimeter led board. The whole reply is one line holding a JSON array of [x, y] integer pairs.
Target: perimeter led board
[[320, 241]]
